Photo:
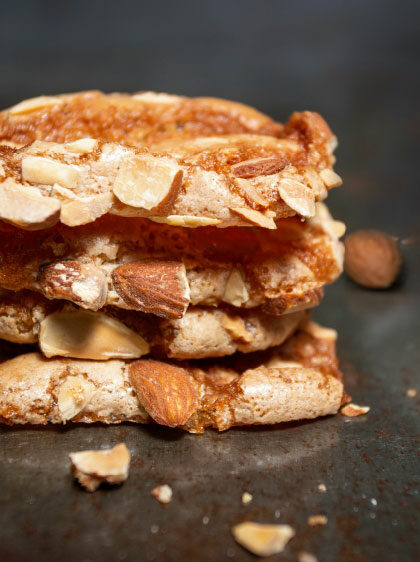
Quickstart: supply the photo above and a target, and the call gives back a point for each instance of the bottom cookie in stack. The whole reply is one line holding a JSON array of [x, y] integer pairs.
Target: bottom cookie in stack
[[296, 380]]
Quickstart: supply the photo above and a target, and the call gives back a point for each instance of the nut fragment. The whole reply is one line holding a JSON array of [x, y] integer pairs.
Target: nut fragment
[[322, 487], [372, 259], [412, 392], [319, 332], [32, 104], [251, 194], [92, 468], [79, 282], [166, 392], [163, 493], [259, 167], [236, 327], [89, 335], [246, 498], [186, 220], [353, 410], [236, 292], [37, 169], [73, 396], [154, 286], [82, 146], [263, 540], [330, 178], [148, 182], [85, 210], [26, 208], [317, 520], [255, 217], [297, 196]]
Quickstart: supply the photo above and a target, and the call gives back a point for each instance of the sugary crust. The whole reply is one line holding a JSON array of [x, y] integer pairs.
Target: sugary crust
[[201, 333], [30, 387], [233, 179], [286, 267]]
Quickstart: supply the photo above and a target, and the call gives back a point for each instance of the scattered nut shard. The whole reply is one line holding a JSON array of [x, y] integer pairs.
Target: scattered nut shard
[[255, 217], [246, 498], [236, 292], [317, 520], [412, 392], [353, 410], [92, 468], [163, 493], [166, 392], [147, 182], [297, 196], [79, 282], [73, 395], [37, 169], [263, 540], [153, 286], [26, 208], [330, 178], [89, 335]]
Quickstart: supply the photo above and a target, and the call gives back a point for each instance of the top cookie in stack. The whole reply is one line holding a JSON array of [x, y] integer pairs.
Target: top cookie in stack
[[180, 228]]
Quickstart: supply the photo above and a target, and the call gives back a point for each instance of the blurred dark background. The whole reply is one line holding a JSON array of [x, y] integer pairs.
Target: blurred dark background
[[358, 63]]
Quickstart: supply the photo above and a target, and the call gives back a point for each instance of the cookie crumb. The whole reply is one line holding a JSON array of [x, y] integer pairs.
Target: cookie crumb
[[317, 520], [412, 392], [353, 410], [307, 557], [163, 493], [322, 487], [246, 498]]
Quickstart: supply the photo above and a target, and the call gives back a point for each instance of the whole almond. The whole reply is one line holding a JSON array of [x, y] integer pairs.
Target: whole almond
[[166, 392], [372, 259]]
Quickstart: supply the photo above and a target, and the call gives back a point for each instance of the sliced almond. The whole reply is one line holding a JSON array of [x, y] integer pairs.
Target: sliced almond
[[26, 208], [259, 167], [236, 292], [163, 493], [263, 540], [317, 520], [251, 194], [166, 392], [33, 104], [83, 211], [89, 335], [79, 282], [297, 196], [319, 332], [73, 396], [330, 178], [82, 146], [154, 286], [92, 468], [147, 182], [353, 410], [254, 217], [315, 182], [37, 169], [186, 220], [236, 327], [246, 498]]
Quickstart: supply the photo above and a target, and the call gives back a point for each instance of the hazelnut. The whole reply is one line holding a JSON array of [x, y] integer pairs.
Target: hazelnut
[[372, 259]]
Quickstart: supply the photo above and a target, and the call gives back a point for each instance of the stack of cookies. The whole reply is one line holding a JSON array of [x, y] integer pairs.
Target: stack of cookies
[[159, 257]]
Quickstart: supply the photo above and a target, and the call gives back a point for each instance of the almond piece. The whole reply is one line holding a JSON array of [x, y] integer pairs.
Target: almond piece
[[82, 146], [315, 182], [255, 217], [246, 498], [92, 468], [297, 196], [166, 392], [259, 167], [73, 396], [37, 169], [317, 520], [319, 332], [236, 292], [263, 540], [186, 220], [251, 194], [89, 335], [353, 410], [235, 326], [83, 211], [163, 493], [330, 178], [33, 104], [26, 208], [81, 283], [153, 286], [148, 182]]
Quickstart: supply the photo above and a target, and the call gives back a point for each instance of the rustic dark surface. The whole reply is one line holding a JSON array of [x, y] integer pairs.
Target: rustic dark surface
[[358, 64]]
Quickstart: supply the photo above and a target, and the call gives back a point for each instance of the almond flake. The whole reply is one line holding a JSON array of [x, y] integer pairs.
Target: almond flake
[[163, 493], [353, 410], [186, 220], [110, 466], [85, 210], [317, 520], [254, 217], [36, 169], [263, 540], [297, 196], [236, 292], [319, 332], [82, 146], [330, 178], [33, 104], [148, 182], [73, 396], [89, 335], [251, 194]]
